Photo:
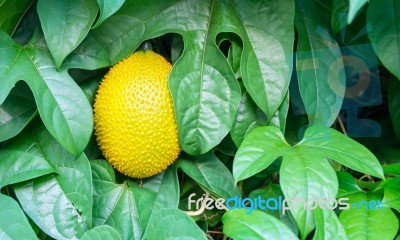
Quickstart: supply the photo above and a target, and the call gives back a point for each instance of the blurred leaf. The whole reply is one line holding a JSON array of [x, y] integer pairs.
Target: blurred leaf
[[170, 223], [65, 24], [211, 173], [314, 178], [394, 104], [329, 143], [107, 8], [13, 222], [319, 64], [340, 9], [17, 110], [328, 225], [392, 169], [383, 16], [67, 214], [354, 7], [62, 106], [11, 12], [253, 157], [101, 232], [257, 225], [379, 223]]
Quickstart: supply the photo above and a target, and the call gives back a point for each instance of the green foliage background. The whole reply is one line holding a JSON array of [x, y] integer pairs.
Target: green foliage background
[[233, 63]]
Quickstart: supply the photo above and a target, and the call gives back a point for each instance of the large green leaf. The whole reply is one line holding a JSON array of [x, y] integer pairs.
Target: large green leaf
[[319, 64], [62, 106], [11, 12], [314, 178], [260, 148], [65, 24], [329, 143], [257, 225], [13, 222], [101, 232], [171, 223], [107, 8], [17, 110], [19, 166], [328, 225], [384, 18], [363, 223], [210, 173], [61, 205], [391, 197]]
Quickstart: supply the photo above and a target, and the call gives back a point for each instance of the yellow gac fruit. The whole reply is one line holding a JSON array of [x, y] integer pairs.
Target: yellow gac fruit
[[134, 118]]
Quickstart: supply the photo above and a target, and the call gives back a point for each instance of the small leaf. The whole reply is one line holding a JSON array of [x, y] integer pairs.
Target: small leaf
[[328, 225], [319, 64], [101, 232], [16, 112], [354, 7], [383, 16], [174, 224], [260, 148], [392, 169], [102, 170], [381, 223], [347, 184], [65, 24], [210, 173], [329, 143], [257, 225], [247, 119], [13, 222], [107, 8], [11, 13], [391, 197], [314, 178], [63, 107]]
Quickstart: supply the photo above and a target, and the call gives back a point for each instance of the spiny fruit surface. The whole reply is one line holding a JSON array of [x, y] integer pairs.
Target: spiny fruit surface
[[134, 116]]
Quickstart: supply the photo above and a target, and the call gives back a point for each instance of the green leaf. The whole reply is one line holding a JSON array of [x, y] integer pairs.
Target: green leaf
[[62, 105], [383, 16], [257, 225], [102, 170], [394, 105], [247, 119], [56, 203], [319, 64], [391, 197], [347, 184], [392, 169], [211, 173], [16, 112], [329, 143], [18, 166], [279, 118], [13, 222], [266, 78], [101, 232], [107, 8], [115, 205], [314, 178], [362, 223], [174, 224], [259, 149], [328, 225], [340, 9], [11, 12], [65, 24], [354, 7]]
